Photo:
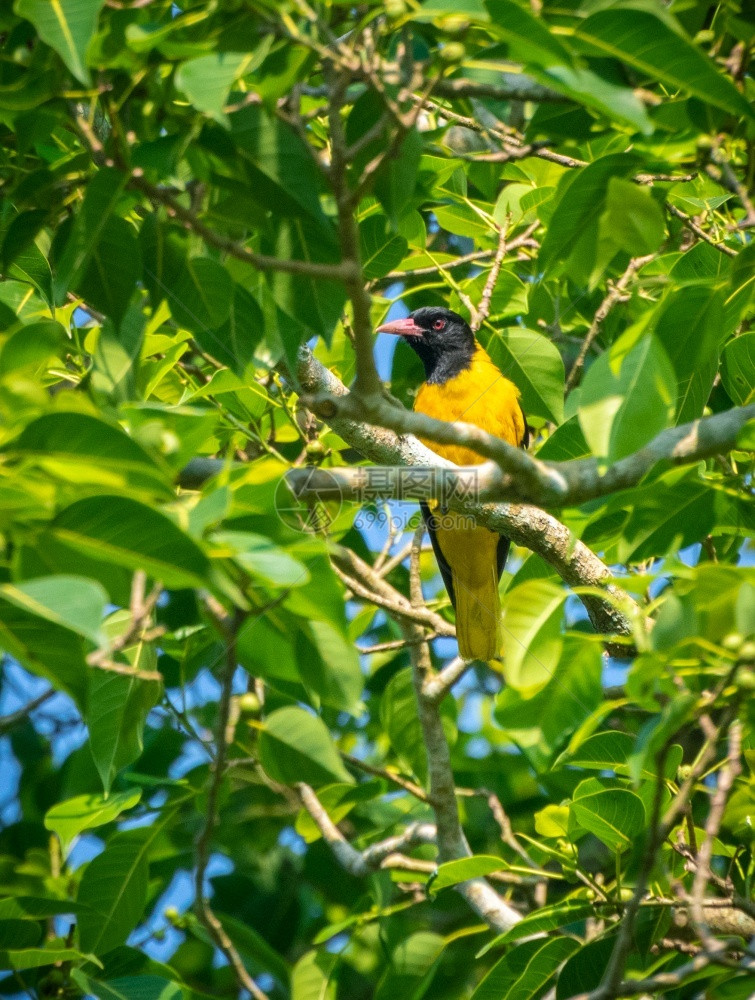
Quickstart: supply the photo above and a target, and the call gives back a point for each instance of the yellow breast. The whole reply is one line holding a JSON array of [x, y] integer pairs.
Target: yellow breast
[[482, 396]]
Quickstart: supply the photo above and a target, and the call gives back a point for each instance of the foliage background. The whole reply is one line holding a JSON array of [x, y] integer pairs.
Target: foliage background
[[191, 192]]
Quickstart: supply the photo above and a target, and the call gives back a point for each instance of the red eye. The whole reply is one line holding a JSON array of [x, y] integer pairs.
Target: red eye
[[439, 324]]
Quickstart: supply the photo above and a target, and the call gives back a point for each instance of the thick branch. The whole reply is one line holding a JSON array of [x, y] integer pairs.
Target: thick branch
[[519, 476], [510, 87], [528, 526]]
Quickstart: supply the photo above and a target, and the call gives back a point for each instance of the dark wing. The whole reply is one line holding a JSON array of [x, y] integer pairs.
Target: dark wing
[[525, 442], [502, 553], [504, 544], [445, 569]]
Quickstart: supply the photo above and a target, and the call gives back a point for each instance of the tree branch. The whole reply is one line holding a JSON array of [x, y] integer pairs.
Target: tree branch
[[452, 843], [311, 269], [8, 722], [615, 295], [528, 526], [726, 778], [510, 87], [518, 476], [229, 628], [367, 383], [482, 311]]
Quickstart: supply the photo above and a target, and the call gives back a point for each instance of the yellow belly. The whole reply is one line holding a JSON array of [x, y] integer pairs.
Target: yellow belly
[[483, 397]]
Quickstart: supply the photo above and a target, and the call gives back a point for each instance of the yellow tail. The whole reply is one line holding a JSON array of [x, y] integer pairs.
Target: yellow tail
[[478, 616]]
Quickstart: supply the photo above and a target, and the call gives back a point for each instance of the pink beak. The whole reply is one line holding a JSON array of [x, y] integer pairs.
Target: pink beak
[[402, 328]]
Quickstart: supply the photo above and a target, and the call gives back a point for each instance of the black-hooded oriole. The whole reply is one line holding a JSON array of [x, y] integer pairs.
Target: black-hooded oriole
[[462, 383]]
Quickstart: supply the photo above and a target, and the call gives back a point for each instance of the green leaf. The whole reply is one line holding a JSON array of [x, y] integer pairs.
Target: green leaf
[[615, 815], [280, 168], [657, 732], [314, 305], [263, 558], [206, 80], [128, 533], [31, 346], [132, 988], [545, 919], [203, 295], [571, 240], [67, 26], [453, 872], [532, 615], [627, 397], [632, 219], [547, 57], [535, 366], [114, 268], [678, 509], [117, 357], [70, 818], [689, 327], [396, 180], [552, 822], [541, 723], [313, 977], [46, 649], [411, 967], [83, 448], [234, 343], [382, 250], [15, 933], [565, 443], [738, 369], [601, 751], [654, 43], [524, 973], [36, 907], [296, 746], [117, 710], [30, 264], [462, 220], [102, 194], [255, 948], [585, 969], [509, 298], [34, 958], [332, 665], [114, 886], [74, 602]]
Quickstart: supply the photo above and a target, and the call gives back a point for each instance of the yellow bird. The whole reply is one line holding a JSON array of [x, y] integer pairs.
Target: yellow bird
[[462, 383]]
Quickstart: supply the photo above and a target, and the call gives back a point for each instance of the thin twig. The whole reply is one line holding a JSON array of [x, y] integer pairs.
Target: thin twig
[[306, 268], [380, 772], [8, 722], [726, 778], [615, 294], [698, 231], [483, 309]]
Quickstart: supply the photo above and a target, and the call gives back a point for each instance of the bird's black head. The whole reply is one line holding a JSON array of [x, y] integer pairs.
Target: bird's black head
[[441, 338]]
